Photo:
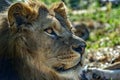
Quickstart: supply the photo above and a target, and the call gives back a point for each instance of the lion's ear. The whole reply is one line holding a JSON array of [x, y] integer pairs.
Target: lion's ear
[[43, 11], [20, 13], [60, 9]]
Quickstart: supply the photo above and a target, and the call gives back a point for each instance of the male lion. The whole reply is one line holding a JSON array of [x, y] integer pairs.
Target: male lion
[[36, 43]]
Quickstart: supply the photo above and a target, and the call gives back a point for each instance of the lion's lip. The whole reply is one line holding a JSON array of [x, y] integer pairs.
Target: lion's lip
[[62, 69], [79, 63]]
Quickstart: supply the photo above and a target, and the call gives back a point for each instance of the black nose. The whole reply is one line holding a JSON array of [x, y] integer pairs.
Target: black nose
[[79, 48]]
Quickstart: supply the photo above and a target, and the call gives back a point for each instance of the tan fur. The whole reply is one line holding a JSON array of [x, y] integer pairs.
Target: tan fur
[[31, 52], [60, 11]]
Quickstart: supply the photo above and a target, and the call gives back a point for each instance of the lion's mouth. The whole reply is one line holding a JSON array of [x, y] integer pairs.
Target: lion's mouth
[[63, 69], [78, 51]]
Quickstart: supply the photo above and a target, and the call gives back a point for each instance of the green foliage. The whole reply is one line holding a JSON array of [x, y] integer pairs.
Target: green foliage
[[49, 2], [107, 36]]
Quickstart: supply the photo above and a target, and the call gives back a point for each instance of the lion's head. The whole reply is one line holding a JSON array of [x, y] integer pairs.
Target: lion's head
[[38, 36]]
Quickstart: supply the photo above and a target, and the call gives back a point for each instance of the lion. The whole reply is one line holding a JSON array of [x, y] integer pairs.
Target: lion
[[36, 43]]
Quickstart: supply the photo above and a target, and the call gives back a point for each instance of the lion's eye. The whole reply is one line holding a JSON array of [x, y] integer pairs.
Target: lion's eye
[[50, 32]]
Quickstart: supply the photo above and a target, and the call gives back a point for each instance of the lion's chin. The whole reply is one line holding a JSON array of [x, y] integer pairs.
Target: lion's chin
[[76, 65], [63, 70], [72, 72]]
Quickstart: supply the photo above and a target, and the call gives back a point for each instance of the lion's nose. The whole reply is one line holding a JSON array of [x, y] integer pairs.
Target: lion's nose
[[79, 48]]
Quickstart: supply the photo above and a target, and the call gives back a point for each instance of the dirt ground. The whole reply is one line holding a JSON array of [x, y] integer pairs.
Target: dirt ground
[[102, 57]]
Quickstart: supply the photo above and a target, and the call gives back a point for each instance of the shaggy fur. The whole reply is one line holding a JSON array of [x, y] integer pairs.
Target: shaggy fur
[[36, 43]]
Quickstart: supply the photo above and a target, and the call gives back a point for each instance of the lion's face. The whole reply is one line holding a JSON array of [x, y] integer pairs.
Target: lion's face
[[49, 36]]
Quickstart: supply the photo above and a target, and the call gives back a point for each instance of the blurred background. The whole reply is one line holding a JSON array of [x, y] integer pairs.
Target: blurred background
[[101, 20]]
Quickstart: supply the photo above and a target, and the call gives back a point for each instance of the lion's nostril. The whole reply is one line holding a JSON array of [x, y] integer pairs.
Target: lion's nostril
[[77, 49], [83, 44]]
